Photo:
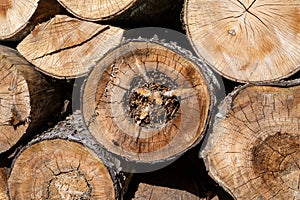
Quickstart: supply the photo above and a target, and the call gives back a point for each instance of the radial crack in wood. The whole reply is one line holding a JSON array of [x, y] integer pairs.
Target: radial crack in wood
[[147, 102], [59, 169], [24, 93], [66, 47], [254, 148], [246, 41]]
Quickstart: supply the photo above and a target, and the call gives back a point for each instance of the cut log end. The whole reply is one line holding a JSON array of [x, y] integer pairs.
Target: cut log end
[[255, 151], [14, 16], [146, 191], [146, 102], [246, 41], [21, 106], [59, 169], [66, 47], [100, 11]]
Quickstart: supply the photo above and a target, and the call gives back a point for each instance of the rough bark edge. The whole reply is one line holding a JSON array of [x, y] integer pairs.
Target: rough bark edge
[[73, 129], [214, 84], [221, 113]]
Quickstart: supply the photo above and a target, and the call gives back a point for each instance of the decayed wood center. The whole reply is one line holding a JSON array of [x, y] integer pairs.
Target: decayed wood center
[[254, 148], [59, 169], [246, 40], [146, 102]]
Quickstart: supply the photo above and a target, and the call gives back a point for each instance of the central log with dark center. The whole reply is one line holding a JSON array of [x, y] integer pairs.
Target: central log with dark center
[[147, 102]]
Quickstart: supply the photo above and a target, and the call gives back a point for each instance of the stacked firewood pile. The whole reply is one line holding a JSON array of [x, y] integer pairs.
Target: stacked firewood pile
[[96, 104]]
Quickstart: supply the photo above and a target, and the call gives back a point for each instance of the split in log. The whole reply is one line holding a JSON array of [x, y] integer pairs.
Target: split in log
[[59, 169], [148, 101], [246, 41], [24, 95], [17, 18], [66, 47], [254, 148], [3, 184], [125, 10]]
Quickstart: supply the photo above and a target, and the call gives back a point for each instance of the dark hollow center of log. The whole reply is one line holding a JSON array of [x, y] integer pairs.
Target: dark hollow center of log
[[69, 185], [146, 101]]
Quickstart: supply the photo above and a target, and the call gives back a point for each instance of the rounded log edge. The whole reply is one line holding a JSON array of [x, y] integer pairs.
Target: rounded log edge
[[253, 149], [214, 89], [73, 130]]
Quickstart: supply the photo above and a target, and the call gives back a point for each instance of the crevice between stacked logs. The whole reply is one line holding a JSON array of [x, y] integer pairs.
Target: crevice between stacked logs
[[130, 11]]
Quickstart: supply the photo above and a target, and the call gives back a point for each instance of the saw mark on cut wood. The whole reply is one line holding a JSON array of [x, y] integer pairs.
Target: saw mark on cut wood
[[74, 46], [5, 5]]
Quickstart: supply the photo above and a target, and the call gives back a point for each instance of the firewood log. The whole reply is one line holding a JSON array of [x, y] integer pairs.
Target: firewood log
[[246, 41], [66, 47], [25, 93], [148, 192], [3, 184], [254, 148], [126, 10], [59, 169], [148, 101], [17, 18], [64, 162]]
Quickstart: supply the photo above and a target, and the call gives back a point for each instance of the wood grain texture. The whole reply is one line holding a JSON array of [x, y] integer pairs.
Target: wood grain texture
[[151, 192], [147, 102], [246, 41], [24, 95], [3, 183], [59, 169], [18, 17], [254, 148], [65, 47], [73, 129]]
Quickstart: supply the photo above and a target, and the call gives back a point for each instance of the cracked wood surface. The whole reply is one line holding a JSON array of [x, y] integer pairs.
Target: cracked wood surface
[[24, 95], [65, 47], [244, 40], [18, 17], [254, 148], [59, 169], [147, 102]]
